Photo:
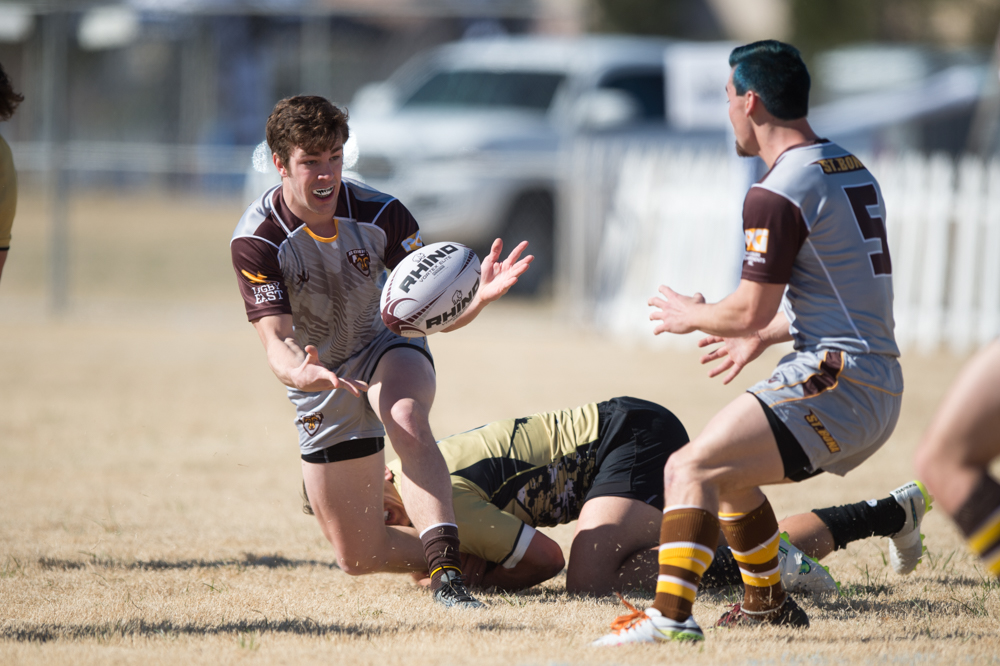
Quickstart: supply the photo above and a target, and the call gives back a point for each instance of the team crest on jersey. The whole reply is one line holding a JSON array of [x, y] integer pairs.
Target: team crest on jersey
[[360, 260], [311, 422], [757, 240]]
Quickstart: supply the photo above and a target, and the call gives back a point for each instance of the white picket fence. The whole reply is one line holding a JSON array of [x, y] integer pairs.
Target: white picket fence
[[636, 216]]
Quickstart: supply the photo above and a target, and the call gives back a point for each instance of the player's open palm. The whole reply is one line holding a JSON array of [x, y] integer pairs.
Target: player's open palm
[[497, 276], [673, 311], [311, 375], [736, 353]]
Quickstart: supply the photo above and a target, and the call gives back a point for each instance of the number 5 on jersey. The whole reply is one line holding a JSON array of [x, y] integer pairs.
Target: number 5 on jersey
[[861, 197]]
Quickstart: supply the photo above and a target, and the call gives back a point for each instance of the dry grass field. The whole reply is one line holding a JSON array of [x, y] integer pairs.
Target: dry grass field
[[149, 510]]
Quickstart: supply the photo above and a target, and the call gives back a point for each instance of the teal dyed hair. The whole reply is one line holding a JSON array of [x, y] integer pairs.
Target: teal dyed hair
[[775, 71]]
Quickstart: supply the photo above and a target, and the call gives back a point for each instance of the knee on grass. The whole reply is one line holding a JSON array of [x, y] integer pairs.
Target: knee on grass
[[359, 563], [357, 559]]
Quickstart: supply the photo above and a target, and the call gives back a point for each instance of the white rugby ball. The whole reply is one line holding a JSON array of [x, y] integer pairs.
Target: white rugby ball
[[429, 288]]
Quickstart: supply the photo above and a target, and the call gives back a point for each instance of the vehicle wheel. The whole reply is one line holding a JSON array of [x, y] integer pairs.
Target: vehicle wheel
[[532, 218]]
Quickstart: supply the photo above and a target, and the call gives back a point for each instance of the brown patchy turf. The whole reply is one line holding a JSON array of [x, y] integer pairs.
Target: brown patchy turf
[[149, 510]]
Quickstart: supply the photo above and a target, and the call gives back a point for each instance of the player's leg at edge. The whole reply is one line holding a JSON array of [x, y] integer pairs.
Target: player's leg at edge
[[401, 392], [954, 456]]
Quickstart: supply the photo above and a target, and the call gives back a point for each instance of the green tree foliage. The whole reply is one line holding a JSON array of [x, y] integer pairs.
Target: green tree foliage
[[816, 24], [822, 24], [688, 19]]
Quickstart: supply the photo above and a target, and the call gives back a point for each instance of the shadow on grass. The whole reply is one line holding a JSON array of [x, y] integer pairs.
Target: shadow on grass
[[44, 633], [248, 560], [850, 608]]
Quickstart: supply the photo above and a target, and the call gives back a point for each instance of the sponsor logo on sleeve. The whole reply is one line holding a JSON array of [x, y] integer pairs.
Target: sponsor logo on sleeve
[[412, 242], [260, 278], [756, 246], [360, 260], [264, 290], [823, 433], [757, 240], [269, 292], [311, 422]]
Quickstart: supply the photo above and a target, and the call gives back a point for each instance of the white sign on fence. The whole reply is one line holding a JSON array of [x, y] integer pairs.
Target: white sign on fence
[[639, 216]]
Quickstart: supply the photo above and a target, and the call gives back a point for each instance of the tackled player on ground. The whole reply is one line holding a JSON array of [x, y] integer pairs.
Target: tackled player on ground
[[599, 466]]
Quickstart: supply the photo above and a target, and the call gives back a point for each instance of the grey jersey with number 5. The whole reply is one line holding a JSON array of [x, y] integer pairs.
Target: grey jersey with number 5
[[816, 222]]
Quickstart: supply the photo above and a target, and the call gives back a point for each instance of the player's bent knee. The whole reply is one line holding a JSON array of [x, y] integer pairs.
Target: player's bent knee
[[357, 567], [359, 557], [554, 563], [407, 420], [358, 562], [684, 467]]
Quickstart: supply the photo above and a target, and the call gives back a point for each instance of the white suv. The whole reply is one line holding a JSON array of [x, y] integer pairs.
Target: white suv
[[468, 136]]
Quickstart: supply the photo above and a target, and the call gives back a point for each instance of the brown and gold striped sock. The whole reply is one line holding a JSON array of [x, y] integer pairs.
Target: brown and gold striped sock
[[753, 539], [688, 537], [979, 520]]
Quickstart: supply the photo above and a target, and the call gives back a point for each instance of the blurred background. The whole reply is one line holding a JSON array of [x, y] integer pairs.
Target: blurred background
[[596, 129]]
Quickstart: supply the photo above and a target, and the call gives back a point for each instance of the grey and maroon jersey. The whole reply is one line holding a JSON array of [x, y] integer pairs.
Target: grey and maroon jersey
[[330, 286], [816, 222]]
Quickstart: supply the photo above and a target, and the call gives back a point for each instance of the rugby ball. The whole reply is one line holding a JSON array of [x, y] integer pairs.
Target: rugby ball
[[429, 289]]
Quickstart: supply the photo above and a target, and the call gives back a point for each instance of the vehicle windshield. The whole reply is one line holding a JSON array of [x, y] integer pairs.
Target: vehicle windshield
[[484, 88]]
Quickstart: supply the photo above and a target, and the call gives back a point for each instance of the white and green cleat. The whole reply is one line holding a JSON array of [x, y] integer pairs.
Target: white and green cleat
[[906, 547], [649, 626], [801, 574]]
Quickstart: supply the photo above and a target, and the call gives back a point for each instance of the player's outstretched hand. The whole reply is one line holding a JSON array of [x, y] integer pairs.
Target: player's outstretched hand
[[736, 353], [675, 311], [311, 375], [499, 276]]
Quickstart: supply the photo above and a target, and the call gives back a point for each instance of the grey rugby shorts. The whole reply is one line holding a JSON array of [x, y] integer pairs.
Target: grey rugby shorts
[[841, 407], [326, 418]]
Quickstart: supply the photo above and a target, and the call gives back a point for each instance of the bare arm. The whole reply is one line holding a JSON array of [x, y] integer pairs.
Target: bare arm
[[296, 367], [496, 279], [750, 308]]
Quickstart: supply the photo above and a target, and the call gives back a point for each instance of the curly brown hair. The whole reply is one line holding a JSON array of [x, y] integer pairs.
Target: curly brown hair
[[308, 122], [8, 98]]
